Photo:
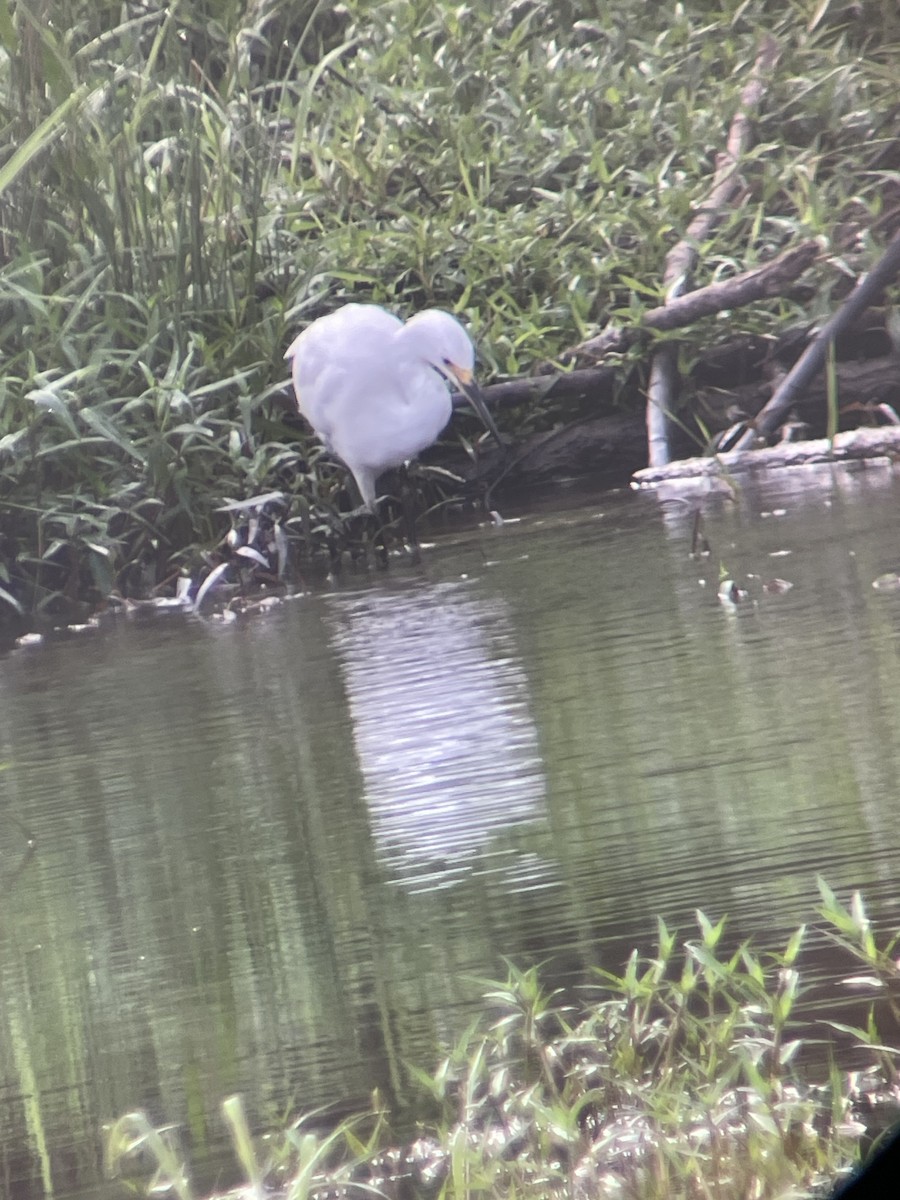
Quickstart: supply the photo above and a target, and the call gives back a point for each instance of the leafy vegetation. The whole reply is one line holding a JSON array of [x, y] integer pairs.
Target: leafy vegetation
[[681, 1077], [185, 184]]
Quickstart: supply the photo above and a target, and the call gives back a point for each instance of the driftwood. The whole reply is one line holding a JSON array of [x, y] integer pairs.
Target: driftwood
[[682, 258], [853, 446]]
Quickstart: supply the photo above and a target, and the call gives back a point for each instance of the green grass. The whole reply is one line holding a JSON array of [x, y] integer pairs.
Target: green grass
[[185, 185], [691, 1074]]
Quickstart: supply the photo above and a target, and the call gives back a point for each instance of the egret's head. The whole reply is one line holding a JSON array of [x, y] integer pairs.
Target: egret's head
[[442, 342]]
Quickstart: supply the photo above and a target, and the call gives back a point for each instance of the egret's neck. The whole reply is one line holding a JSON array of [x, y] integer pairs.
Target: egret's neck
[[409, 344]]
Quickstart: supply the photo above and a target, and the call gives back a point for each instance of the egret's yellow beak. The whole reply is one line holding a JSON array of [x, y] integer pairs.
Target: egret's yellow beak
[[473, 393]]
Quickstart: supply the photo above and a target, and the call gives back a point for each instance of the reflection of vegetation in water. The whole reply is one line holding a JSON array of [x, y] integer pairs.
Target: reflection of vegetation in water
[[195, 181], [680, 1078]]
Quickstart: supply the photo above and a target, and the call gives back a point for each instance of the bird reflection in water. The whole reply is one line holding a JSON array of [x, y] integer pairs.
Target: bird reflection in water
[[442, 728]]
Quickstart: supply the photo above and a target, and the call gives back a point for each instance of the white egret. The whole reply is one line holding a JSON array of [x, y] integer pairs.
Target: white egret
[[375, 389]]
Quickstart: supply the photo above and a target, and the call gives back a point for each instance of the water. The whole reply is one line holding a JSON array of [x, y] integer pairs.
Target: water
[[279, 857]]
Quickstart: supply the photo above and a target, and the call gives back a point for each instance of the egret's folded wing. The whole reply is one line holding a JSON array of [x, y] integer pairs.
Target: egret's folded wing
[[344, 345]]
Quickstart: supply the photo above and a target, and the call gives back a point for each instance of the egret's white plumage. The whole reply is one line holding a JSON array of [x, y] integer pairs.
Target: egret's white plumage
[[375, 389]]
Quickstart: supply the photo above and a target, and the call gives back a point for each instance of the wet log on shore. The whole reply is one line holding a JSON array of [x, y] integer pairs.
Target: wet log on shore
[[612, 448], [856, 445], [606, 450]]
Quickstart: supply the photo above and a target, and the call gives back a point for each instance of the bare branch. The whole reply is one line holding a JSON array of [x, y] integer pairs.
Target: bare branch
[[868, 289], [682, 258], [661, 391], [770, 279]]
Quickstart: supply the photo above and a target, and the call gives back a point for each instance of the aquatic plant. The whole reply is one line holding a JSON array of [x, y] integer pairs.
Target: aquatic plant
[[687, 1074]]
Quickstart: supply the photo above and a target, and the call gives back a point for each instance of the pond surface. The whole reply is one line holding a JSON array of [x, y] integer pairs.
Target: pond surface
[[280, 856]]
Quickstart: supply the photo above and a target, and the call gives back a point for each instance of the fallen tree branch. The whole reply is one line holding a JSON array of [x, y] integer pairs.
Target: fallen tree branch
[[759, 283], [770, 279], [863, 386], [682, 258], [868, 289], [530, 388], [853, 445]]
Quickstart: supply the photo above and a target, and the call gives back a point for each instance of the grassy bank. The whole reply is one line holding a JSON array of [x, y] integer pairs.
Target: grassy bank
[[695, 1073], [185, 185]]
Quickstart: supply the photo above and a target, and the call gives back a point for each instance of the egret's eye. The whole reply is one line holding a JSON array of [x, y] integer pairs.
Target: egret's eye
[[446, 362]]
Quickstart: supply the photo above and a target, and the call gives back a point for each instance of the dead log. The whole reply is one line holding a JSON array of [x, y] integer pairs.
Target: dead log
[[598, 382], [856, 445], [607, 450]]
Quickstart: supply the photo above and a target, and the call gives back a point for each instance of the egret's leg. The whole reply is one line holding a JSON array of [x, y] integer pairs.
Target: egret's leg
[[364, 521], [407, 502], [365, 481]]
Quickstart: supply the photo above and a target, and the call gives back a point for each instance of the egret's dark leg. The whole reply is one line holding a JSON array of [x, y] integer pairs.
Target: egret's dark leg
[[408, 505]]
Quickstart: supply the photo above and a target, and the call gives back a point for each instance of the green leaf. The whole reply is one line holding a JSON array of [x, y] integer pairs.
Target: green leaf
[[39, 139], [100, 570], [9, 598], [102, 425], [711, 933], [9, 39], [51, 402], [793, 946]]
